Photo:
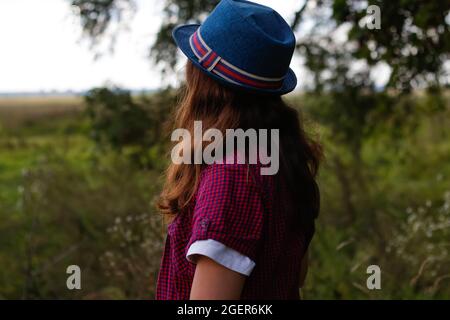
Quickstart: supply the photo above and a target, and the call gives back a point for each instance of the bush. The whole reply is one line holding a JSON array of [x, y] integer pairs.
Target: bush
[[129, 125], [75, 216]]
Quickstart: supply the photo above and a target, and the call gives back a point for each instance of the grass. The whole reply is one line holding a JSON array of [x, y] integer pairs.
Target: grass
[[50, 173], [30, 128]]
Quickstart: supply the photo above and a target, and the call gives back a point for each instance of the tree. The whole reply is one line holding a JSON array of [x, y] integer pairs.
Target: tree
[[117, 120], [414, 39], [128, 124], [96, 16]]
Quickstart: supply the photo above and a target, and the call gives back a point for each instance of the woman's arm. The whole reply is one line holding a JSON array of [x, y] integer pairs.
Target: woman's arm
[[213, 281]]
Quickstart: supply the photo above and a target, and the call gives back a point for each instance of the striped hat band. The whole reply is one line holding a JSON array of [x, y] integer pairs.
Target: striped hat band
[[227, 71]]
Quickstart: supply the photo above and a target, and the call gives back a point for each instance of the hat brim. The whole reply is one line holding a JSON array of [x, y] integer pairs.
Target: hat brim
[[182, 34]]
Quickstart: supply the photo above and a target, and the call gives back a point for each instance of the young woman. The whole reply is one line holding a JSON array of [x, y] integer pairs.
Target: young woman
[[236, 233]]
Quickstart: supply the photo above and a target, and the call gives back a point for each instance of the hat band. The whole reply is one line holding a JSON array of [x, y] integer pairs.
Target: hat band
[[227, 71]]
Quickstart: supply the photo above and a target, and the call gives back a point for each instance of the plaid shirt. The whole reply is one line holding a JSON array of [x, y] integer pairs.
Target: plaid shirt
[[243, 210]]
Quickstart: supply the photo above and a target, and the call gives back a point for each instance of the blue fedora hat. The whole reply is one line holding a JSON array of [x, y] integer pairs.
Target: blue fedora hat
[[243, 45]]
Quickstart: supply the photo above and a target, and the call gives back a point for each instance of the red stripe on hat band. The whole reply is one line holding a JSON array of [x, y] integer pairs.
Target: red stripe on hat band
[[237, 77], [197, 45], [208, 62]]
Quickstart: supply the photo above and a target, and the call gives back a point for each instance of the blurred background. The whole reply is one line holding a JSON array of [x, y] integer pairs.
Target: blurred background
[[86, 87]]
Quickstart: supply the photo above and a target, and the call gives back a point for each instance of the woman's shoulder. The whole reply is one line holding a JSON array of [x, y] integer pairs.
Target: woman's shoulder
[[235, 162], [234, 177], [231, 170]]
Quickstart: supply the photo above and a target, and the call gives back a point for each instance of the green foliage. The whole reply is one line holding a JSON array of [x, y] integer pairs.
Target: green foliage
[[414, 38], [176, 12], [64, 202], [351, 115], [117, 121], [127, 124], [388, 207], [70, 216], [98, 16], [60, 201]]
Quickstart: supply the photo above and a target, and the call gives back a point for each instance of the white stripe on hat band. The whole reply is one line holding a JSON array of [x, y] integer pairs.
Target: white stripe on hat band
[[214, 63], [249, 74], [225, 77]]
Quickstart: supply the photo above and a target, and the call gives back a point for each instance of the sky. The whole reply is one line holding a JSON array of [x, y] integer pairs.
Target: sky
[[42, 48]]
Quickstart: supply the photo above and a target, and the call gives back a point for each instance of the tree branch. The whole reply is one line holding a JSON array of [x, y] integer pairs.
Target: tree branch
[[298, 15]]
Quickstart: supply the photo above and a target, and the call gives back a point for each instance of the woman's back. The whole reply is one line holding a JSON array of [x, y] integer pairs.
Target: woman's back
[[240, 208]]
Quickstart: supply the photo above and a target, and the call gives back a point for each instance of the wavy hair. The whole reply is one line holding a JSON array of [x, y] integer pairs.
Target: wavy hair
[[222, 108]]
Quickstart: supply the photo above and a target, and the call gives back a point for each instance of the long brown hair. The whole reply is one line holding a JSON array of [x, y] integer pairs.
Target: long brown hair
[[223, 108]]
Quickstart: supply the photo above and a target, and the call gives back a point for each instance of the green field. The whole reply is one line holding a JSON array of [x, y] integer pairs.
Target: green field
[[64, 200]]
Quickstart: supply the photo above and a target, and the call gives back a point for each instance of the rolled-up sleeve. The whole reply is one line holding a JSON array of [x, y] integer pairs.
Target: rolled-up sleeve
[[221, 254], [228, 217]]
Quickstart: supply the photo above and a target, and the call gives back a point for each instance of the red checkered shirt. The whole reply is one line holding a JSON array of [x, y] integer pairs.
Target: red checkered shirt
[[243, 210]]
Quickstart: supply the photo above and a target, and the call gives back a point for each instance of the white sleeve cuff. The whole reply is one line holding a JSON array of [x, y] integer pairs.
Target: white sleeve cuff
[[221, 254]]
